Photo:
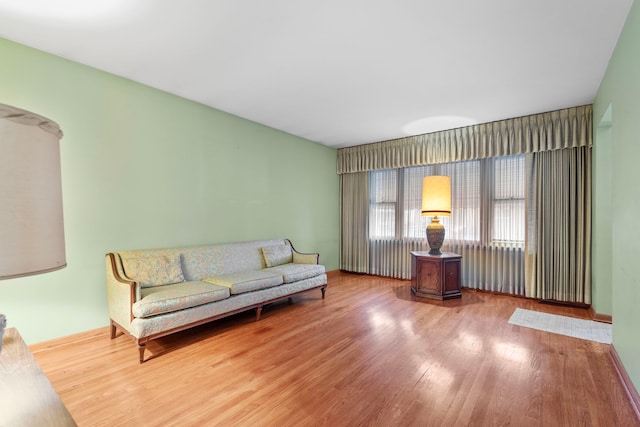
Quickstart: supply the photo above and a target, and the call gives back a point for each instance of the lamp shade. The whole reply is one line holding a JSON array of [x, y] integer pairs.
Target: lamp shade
[[31, 222], [436, 196]]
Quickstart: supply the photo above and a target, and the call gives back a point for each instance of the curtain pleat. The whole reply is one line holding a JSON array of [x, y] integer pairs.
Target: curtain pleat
[[354, 222], [555, 130], [558, 245], [392, 258]]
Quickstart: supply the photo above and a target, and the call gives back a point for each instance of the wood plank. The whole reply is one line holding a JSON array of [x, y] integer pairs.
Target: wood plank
[[369, 354]]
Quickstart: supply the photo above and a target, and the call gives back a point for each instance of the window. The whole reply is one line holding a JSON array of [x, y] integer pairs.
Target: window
[[414, 223], [464, 222], [382, 203], [508, 199], [479, 212]]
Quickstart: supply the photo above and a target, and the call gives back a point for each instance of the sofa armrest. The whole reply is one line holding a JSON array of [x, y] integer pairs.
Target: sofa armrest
[[121, 291], [302, 258]]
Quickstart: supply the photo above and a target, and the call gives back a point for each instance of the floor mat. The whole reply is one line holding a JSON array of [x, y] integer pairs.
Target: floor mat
[[578, 328]]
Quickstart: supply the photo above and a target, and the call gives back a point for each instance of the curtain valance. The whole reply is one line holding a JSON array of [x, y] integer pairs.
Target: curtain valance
[[567, 128]]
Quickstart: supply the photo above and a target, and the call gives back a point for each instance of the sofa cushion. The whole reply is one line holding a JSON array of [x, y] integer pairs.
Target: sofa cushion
[[277, 255], [154, 270], [246, 281], [168, 298], [299, 258], [294, 272]]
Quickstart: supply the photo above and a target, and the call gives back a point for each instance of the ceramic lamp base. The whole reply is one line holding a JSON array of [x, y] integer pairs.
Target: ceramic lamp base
[[435, 236]]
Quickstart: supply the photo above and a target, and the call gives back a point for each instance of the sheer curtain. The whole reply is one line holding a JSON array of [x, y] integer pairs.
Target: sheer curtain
[[494, 260]]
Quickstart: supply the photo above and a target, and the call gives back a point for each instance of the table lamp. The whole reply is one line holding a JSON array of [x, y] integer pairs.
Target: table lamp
[[436, 202]]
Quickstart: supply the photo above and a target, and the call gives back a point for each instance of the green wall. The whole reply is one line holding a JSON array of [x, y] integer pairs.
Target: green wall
[[620, 90], [142, 168], [601, 291]]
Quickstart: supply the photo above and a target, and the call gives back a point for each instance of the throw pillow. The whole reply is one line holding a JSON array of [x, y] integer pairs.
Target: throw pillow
[[154, 271], [277, 255]]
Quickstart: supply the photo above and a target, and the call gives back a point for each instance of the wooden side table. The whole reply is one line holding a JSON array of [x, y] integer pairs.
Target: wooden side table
[[27, 398], [435, 276]]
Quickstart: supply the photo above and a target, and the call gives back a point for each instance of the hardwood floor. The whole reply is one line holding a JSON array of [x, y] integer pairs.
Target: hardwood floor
[[367, 355]]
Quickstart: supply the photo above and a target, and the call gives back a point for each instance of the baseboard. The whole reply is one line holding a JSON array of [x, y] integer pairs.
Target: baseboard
[[565, 303], [70, 339], [626, 381], [603, 318]]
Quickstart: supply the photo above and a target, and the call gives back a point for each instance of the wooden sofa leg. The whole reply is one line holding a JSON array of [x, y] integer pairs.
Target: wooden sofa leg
[[290, 299], [113, 330], [141, 348], [323, 291], [258, 312]]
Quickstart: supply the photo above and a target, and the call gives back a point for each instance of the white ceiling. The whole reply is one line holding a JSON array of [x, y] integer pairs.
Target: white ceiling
[[340, 72]]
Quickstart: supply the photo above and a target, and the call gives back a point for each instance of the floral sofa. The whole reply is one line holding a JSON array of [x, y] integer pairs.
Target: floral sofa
[[155, 292]]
